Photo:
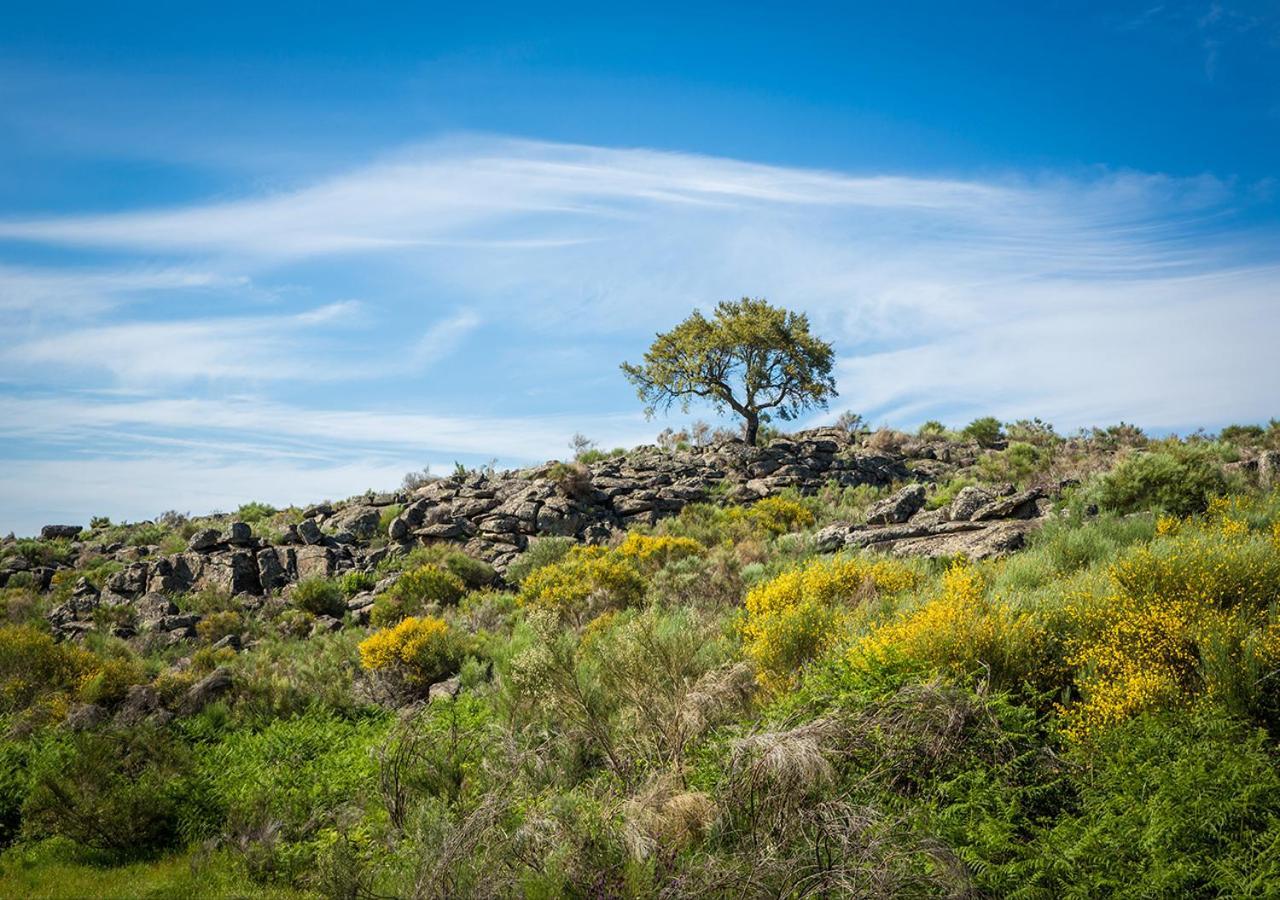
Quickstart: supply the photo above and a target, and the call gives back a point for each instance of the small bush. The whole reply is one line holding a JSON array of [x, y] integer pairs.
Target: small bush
[[1179, 479], [415, 591], [356, 582], [964, 631], [117, 791], [32, 665], [215, 626], [587, 581], [418, 651], [542, 552], [1019, 463], [779, 515], [254, 512], [791, 619], [319, 596], [987, 431], [652, 552], [1034, 432]]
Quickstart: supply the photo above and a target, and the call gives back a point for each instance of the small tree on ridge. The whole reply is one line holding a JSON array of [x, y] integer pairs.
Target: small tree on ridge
[[754, 358]]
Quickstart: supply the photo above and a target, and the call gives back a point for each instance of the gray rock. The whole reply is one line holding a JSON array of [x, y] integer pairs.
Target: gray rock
[[969, 501], [325, 625], [1021, 505], [55, 532], [239, 534], [314, 561], [230, 642], [204, 540], [153, 609], [84, 716], [310, 532], [140, 702], [444, 690], [899, 507], [206, 690]]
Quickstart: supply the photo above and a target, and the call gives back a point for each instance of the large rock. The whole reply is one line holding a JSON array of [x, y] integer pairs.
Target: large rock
[[55, 532], [310, 532], [205, 691], [969, 501], [235, 573], [314, 561], [239, 534], [899, 507], [204, 540], [361, 521], [1021, 505]]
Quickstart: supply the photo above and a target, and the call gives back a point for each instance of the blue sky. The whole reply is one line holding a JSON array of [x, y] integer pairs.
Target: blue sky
[[291, 254]]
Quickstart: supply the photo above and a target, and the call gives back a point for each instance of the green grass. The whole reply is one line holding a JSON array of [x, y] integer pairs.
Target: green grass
[[53, 871]]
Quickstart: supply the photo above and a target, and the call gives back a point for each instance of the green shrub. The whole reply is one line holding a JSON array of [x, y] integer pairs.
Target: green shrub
[[319, 596], [987, 431], [542, 552], [254, 512], [117, 791], [1033, 431], [1173, 805], [276, 790], [1018, 463], [948, 490], [357, 582], [1178, 479], [475, 574], [932, 429], [415, 591]]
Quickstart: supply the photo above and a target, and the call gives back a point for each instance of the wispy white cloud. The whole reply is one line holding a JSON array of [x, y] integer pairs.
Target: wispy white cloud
[[1084, 297]]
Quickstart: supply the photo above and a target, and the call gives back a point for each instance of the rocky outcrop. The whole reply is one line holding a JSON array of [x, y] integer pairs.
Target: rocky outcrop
[[977, 525]]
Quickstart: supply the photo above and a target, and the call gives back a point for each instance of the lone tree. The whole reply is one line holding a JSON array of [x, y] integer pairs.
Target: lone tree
[[754, 358]]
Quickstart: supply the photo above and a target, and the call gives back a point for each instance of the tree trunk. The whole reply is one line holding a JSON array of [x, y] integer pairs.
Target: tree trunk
[[750, 428]]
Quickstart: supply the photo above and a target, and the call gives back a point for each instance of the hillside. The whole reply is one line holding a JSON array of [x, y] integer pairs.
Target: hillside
[[989, 663]]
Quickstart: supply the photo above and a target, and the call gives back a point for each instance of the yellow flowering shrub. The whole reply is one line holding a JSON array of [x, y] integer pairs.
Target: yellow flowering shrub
[[796, 616], [1188, 617], [587, 581], [110, 679], [32, 664], [419, 650], [961, 629], [655, 551], [414, 591], [779, 515]]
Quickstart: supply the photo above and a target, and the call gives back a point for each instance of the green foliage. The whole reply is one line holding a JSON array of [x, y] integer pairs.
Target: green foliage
[[416, 591], [254, 512], [932, 429], [948, 490], [277, 789], [753, 358], [589, 580], [475, 574], [1173, 805], [319, 596], [543, 551], [1175, 478], [117, 791], [987, 431], [1033, 431], [356, 582], [1019, 463]]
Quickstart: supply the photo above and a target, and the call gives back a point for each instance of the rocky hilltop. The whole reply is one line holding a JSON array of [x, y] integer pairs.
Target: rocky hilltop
[[495, 516]]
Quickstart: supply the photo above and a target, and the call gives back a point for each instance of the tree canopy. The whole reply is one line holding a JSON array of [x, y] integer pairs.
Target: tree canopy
[[754, 358]]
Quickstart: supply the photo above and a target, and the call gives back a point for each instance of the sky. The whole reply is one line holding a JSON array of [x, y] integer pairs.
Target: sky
[[292, 253]]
